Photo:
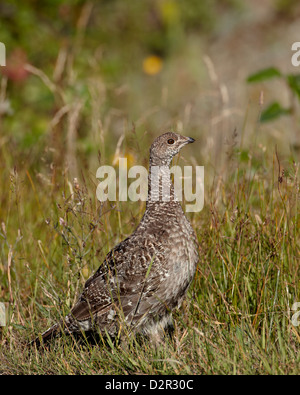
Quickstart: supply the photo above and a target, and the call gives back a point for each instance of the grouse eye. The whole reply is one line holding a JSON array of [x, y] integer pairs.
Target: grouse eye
[[171, 141]]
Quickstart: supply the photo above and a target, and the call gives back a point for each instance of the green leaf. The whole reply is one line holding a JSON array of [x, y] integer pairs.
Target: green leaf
[[273, 111], [294, 83], [265, 74]]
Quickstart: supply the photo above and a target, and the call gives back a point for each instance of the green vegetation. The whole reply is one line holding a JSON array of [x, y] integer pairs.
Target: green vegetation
[[93, 81], [275, 110]]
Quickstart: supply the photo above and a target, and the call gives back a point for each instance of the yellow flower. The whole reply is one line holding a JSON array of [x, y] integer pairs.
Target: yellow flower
[[152, 64], [130, 159]]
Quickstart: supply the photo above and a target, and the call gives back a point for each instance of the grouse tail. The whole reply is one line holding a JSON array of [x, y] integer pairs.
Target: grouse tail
[[46, 336]]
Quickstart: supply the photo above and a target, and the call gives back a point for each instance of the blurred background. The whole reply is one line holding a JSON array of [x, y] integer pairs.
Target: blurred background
[[81, 74]]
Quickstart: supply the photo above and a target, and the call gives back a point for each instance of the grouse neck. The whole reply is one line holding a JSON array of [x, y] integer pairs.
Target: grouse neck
[[160, 186]]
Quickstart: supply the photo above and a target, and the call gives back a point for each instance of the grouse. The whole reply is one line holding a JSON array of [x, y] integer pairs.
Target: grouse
[[146, 276]]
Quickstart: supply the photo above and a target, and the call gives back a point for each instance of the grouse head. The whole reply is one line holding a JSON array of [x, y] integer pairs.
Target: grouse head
[[166, 146]]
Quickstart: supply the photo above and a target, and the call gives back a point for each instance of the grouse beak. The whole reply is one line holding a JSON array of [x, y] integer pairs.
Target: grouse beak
[[188, 140], [184, 140]]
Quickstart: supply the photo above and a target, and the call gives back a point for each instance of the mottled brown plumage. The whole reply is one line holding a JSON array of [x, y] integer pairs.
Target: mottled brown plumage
[[147, 275]]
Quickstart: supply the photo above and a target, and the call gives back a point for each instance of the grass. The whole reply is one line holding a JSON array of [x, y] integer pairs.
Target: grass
[[236, 318]]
